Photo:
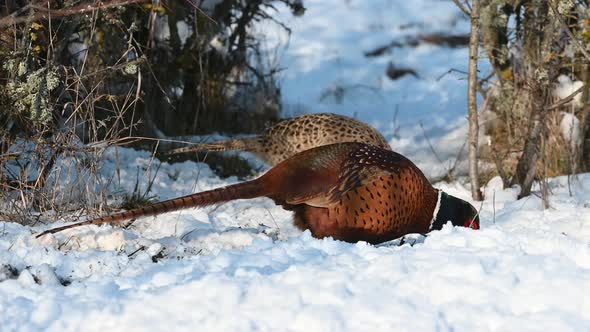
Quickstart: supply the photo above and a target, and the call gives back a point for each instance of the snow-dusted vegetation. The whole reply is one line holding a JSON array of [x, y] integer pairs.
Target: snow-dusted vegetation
[[243, 266]]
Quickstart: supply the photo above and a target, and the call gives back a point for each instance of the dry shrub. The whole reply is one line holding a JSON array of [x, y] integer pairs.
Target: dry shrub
[[558, 154], [82, 79], [560, 151], [59, 114]]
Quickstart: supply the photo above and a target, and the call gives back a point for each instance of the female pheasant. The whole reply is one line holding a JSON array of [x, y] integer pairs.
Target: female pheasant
[[292, 136], [349, 191]]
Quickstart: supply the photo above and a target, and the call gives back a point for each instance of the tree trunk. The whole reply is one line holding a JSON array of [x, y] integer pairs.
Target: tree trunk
[[538, 39], [472, 102], [527, 164]]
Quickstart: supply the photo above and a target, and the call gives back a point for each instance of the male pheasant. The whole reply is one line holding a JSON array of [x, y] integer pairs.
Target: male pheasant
[[349, 191], [292, 136]]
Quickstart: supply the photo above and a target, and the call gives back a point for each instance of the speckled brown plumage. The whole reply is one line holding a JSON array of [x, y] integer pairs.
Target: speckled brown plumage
[[301, 133], [349, 191], [379, 196]]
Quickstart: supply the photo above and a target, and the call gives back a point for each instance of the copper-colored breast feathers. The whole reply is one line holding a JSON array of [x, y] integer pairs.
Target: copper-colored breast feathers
[[379, 195]]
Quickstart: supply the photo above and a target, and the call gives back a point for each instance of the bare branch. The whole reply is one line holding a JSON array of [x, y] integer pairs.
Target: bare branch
[[462, 7], [566, 99], [45, 13]]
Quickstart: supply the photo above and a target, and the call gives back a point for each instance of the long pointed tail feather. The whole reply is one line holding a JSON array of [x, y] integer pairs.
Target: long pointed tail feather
[[245, 144], [250, 189]]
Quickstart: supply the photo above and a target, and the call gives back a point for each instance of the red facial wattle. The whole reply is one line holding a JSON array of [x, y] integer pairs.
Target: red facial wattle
[[470, 223]]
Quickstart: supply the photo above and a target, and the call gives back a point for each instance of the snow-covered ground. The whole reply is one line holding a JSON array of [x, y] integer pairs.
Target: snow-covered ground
[[242, 266]]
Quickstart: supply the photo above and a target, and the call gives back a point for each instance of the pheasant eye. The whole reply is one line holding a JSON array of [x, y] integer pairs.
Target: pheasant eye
[[470, 223]]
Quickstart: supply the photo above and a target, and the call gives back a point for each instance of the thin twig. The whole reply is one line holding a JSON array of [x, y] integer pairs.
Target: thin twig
[[44, 13], [494, 206], [191, 4], [136, 251], [462, 7], [452, 70], [434, 151], [566, 100]]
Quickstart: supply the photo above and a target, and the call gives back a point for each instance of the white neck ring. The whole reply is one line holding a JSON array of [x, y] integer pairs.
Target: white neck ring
[[436, 208]]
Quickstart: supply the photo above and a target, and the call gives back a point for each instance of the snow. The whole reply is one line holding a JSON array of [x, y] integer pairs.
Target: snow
[[571, 129], [218, 43], [569, 125], [527, 268], [161, 28], [565, 87], [77, 50], [184, 32], [243, 266]]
